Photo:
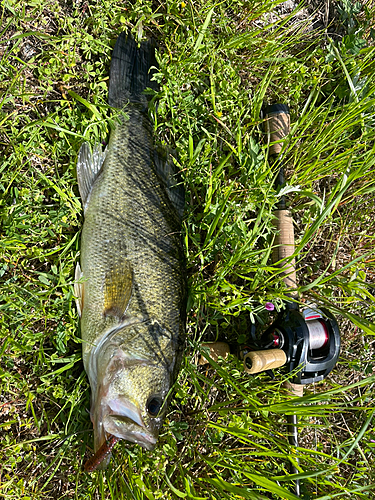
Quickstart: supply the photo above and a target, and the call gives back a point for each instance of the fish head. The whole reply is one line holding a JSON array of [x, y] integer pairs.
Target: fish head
[[131, 395]]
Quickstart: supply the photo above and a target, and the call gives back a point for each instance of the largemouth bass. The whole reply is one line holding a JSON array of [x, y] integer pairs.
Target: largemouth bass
[[131, 290]]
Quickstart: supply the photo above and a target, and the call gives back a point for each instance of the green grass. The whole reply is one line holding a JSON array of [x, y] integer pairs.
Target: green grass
[[224, 436]]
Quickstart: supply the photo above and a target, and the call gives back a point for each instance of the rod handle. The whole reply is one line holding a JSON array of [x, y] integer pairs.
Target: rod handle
[[216, 349], [277, 126], [259, 361], [284, 246], [295, 390]]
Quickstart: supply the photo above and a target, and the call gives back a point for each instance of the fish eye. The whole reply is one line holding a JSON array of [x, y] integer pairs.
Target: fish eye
[[154, 405]]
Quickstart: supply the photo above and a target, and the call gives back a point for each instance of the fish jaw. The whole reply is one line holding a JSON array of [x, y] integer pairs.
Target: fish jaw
[[121, 418], [127, 429], [126, 423]]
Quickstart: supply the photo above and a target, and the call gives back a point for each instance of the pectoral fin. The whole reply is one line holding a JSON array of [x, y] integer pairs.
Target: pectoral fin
[[89, 164], [118, 289], [78, 289]]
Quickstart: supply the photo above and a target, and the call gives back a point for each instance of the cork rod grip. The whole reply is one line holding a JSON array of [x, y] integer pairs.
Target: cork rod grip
[[278, 127], [284, 246], [295, 390], [216, 349]]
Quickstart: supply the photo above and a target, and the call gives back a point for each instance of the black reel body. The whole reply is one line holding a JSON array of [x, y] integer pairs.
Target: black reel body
[[310, 340]]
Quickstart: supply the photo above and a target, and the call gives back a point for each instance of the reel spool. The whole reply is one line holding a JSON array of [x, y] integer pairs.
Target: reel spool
[[309, 340]]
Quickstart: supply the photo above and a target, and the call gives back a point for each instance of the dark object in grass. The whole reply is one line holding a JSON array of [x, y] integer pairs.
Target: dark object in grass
[[99, 457]]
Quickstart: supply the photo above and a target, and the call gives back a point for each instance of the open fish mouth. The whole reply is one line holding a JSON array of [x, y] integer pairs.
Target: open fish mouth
[[123, 419], [126, 428], [120, 419]]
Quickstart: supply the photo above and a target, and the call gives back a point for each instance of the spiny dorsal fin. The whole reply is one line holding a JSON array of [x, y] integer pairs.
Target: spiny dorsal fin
[[118, 286], [89, 164]]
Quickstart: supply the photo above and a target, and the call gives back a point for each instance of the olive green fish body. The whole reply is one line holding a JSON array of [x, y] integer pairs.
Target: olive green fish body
[[132, 281], [130, 246]]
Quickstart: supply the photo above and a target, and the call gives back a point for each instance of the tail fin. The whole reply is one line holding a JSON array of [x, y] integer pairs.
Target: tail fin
[[130, 71]]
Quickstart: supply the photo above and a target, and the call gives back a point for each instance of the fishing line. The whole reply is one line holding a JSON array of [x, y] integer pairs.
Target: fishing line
[[318, 334]]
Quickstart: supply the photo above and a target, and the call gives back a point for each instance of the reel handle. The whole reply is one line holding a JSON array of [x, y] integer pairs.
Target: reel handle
[[260, 361], [253, 361]]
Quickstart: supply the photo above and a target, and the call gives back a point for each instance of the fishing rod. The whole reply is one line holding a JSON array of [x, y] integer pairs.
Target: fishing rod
[[306, 342], [309, 339]]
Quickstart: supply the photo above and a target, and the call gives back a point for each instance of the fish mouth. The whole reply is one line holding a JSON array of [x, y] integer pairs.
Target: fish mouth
[[123, 419], [125, 428]]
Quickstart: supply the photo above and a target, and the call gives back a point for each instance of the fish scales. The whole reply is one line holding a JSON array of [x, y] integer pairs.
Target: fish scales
[[131, 295], [130, 219]]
